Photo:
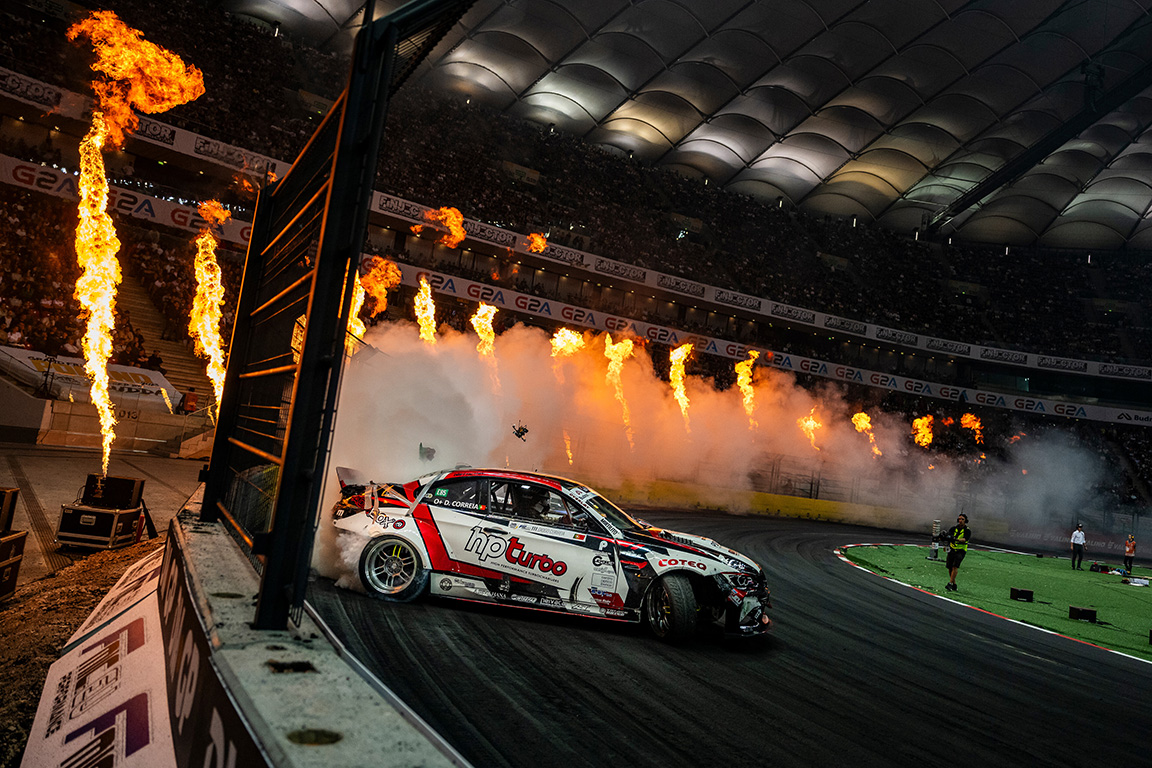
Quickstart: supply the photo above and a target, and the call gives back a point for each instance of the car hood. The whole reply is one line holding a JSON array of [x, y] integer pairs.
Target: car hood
[[691, 543]]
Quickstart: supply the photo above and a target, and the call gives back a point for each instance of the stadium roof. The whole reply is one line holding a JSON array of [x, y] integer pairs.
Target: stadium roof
[[1022, 122]]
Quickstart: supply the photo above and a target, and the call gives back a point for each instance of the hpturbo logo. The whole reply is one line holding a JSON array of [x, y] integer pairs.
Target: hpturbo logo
[[485, 545]]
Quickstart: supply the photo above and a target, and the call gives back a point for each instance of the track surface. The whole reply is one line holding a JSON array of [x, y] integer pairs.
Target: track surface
[[859, 671]]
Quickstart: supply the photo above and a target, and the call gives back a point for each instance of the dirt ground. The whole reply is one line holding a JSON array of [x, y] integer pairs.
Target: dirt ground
[[36, 623]]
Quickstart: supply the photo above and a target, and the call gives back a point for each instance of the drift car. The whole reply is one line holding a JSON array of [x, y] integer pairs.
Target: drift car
[[541, 542]]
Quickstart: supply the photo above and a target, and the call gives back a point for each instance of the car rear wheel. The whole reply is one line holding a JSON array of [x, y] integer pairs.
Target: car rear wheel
[[670, 607], [390, 569]]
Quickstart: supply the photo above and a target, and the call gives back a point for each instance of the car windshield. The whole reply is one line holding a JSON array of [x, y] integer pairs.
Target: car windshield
[[615, 515]]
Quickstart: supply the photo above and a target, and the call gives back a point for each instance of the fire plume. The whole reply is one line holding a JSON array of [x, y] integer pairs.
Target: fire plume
[[864, 424], [1016, 438], [972, 422], [356, 327], [537, 243], [204, 323], [140, 75], [482, 322], [676, 375], [565, 343], [922, 431], [568, 447], [381, 276], [744, 382], [450, 218], [617, 353], [947, 421], [96, 247], [137, 74], [808, 425], [426, 311]]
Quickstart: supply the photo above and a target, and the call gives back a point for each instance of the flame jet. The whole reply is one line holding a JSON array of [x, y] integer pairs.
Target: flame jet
[[864, 424], [565, 343], [380, 276], [136, 74], [676, 376], [922, 430], [972, 421], [808, 425], [744, 382], [426, 312], [536, 242], [204, 323], [448, 217], [617, 353]]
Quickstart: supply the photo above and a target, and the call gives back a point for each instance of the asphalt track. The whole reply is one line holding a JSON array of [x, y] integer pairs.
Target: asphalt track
[[859, 671]]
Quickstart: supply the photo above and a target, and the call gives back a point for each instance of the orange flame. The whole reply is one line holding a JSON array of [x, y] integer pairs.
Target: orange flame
[[138, 73], [450, 218], [617, 354], [565, 343], [808, 425], [141, 75], [1016, 438], [947, 421], [537, 243], [864, 424], [96, 247], [922, 431], [381, 276], [167, 402], [676, 375], [568, 447], [426, 311], [482, 322], [744, 382], [356, 328], [972, 422], [204, 323]]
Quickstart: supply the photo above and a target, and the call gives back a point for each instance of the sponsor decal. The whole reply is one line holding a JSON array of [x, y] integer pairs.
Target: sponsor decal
[[626, 271], [614, 612], [397, 524], [398, 207], [157, 132], [1140, 418], [446, 584], [233, 156], [551, 602], [578, 315], [1060, 363], [533, 304], [531, 600], [29, 89], [481, 231], [599, 561], [841, 324], [845, 373], [951, 347], [734, 299], [486, 293], [486, 546], [680, 285], [1003, 356], [565, 255], [899, 337], [669, 562], [793, 313], [1128, 371]]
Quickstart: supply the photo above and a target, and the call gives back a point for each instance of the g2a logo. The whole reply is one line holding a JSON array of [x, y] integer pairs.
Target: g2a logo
[[578, 315]]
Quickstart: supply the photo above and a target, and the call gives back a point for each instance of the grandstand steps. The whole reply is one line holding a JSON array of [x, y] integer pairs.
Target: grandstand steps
[[182, 367]]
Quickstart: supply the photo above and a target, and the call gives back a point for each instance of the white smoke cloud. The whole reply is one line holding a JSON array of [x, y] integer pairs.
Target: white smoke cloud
[[403, 393]]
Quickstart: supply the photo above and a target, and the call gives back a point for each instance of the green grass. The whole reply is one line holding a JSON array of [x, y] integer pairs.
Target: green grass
[[1124, 612]]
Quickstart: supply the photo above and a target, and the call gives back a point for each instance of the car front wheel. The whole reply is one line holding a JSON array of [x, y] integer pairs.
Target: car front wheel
[[390, 569], [670, 607]]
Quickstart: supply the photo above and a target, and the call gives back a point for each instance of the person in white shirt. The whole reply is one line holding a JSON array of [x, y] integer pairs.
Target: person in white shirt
[[1078, 547]]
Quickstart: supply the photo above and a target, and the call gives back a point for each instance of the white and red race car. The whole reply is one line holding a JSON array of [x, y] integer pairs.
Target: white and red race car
[[542, 542]]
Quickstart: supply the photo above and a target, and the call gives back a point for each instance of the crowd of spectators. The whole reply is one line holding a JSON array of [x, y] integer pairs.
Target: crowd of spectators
[[517, 174]]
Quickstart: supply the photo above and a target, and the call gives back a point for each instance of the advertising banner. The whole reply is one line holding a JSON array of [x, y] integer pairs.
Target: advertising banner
[[67, 375], [104, 701]]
